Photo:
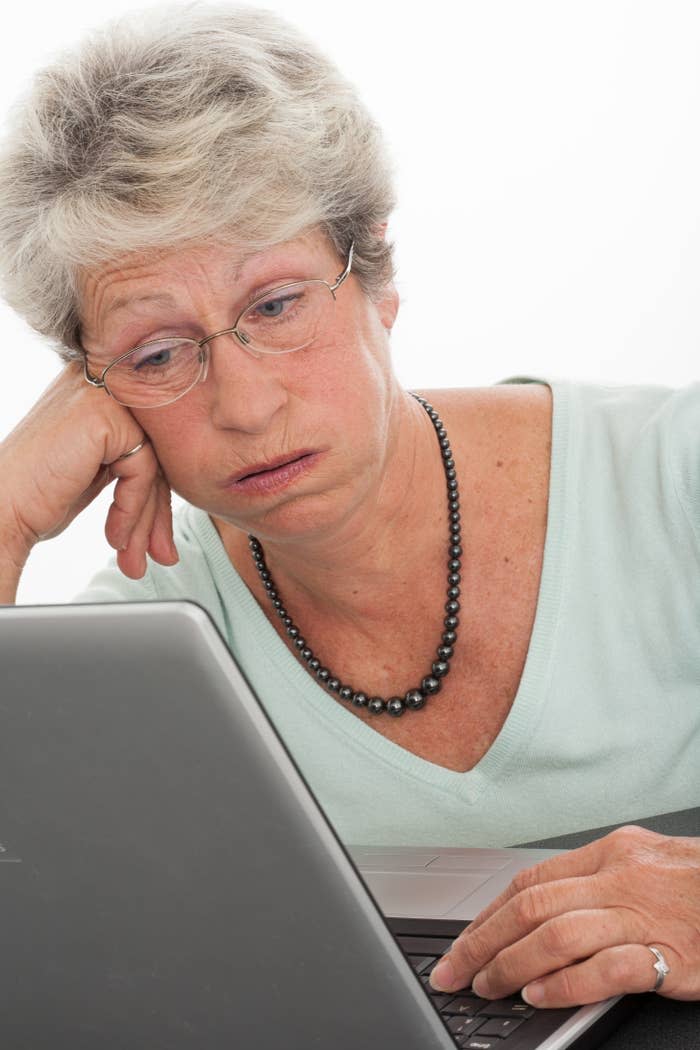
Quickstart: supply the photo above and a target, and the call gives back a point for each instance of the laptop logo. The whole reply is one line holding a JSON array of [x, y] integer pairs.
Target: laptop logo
[[7, 855]]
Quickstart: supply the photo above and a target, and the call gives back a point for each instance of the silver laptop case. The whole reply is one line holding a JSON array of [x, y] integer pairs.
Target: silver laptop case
[[167, 881]]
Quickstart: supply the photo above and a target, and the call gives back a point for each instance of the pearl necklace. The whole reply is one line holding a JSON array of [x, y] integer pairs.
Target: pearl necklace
[[416, 698]]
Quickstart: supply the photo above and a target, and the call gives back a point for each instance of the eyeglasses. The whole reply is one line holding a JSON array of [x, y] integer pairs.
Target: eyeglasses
[[281, 321]]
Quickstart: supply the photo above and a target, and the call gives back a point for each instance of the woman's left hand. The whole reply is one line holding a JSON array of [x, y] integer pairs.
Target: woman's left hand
[[575, 929]]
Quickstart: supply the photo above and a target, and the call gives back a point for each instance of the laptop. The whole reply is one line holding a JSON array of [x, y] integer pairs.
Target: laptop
[[169, 882]]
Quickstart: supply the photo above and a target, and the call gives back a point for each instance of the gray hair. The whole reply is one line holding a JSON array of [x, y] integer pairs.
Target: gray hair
[[181, 125]]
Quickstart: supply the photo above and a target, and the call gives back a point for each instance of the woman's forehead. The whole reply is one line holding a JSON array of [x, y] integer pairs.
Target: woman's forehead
[[162, 278]]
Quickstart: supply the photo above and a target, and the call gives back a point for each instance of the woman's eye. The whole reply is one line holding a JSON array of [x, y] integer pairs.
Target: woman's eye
[[157, 355], [159, 358], [274, 307]]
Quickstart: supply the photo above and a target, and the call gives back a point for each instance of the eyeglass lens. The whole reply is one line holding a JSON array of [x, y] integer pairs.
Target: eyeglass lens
[[160, 371]]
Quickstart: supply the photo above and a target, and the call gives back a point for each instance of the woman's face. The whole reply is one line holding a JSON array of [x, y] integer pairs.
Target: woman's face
[[316, 418]]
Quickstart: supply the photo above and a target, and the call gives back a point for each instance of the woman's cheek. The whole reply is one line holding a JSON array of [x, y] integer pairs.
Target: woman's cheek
[[175, 436]]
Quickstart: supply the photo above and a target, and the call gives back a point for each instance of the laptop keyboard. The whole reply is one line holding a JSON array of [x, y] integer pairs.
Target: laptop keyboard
[[474, 1023]]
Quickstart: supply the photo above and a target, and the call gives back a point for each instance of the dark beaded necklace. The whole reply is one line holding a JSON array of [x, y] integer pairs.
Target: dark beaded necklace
[[414, 699]]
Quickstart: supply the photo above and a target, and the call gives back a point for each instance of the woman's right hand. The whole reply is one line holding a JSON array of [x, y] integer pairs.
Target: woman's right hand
[[57, 460]]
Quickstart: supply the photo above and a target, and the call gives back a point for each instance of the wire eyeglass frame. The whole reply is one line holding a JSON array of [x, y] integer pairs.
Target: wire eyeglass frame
[[101, 382]]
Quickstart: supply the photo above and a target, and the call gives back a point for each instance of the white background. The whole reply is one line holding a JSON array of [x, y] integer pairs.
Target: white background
[[548, 169]]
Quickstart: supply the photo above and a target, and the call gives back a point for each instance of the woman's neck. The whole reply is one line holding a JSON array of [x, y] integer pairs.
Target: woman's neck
[[384, 556]]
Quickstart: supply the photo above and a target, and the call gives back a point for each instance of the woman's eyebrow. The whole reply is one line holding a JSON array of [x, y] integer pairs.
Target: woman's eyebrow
[[124, 301], [167, 300]]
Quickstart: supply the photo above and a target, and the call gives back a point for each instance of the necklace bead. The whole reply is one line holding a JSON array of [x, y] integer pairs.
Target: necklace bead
[[395, 706], [413, 699]]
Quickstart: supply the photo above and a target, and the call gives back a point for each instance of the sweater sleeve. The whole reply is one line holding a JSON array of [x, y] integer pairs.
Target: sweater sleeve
[[111, 585], [196, 577]]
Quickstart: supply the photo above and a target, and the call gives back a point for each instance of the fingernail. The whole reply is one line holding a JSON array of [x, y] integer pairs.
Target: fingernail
[[480, 984], [442, 977], [533, 994]]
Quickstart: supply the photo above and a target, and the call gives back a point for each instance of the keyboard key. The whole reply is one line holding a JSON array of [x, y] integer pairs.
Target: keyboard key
[[422, 962], [464, 1026], [463, 1005], [477, 1043], [424, 945], [440, 1001], [500, 1026], [506, 1008]]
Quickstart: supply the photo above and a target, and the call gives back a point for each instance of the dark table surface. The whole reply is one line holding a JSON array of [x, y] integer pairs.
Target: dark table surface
[[659, 1023]]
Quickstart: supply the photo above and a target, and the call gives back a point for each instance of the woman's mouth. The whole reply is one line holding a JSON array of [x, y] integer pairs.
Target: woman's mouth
[[274, 475]]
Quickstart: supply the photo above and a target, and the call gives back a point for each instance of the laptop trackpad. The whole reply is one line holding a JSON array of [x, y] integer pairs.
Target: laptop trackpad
[[421, 894]]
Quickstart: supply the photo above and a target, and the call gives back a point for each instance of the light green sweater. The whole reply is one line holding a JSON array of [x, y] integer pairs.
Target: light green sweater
[[605, 726]]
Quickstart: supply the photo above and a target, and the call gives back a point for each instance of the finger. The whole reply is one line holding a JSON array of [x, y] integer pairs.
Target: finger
[[101, 480], [132, 558], [161, 545], [476, 947], [586, 860], [136, 476], [554, 945], [613, 971]]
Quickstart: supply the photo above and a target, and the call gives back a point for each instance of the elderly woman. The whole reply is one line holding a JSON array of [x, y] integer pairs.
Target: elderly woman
[[472, 614]]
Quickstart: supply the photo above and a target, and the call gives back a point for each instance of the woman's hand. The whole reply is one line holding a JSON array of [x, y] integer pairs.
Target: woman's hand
[[575, 929], [60, 456]]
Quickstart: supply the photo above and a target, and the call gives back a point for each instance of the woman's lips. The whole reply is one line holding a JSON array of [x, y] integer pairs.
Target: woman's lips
[[274, 477]]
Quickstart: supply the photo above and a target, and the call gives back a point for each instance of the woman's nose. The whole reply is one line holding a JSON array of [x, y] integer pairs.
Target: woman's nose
[[244, 386]]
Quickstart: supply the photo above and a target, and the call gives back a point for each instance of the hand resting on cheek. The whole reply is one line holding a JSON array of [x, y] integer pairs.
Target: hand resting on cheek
[[60, 457]]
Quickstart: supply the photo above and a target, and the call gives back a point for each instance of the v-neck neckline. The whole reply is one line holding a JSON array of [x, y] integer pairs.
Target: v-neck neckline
[[261, 645]]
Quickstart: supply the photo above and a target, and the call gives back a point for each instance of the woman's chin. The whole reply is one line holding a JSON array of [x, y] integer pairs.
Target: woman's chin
[[286, 516]]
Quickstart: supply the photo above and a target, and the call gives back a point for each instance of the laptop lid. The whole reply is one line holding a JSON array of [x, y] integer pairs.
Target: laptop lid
[[166, 878], [167, 881]]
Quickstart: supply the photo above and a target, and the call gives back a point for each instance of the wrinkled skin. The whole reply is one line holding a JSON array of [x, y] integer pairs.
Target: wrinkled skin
[[574, 928]]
